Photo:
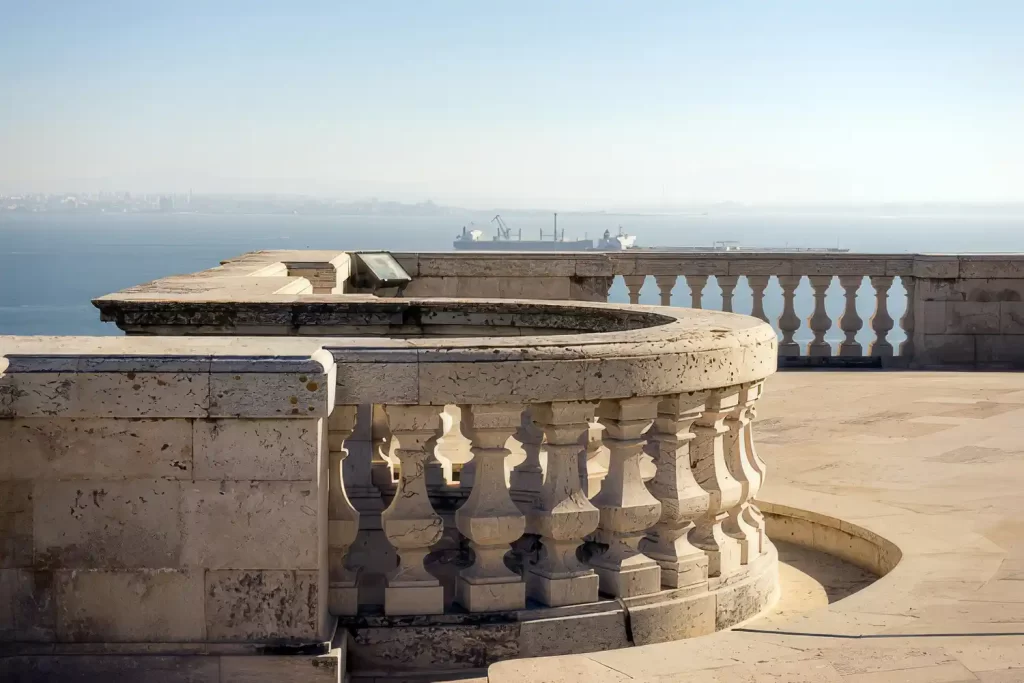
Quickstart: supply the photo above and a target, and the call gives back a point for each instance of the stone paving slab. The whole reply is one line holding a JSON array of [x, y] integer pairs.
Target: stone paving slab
[[934, 463]]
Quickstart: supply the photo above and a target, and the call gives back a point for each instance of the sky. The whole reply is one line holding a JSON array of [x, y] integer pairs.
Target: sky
[[558, 103]]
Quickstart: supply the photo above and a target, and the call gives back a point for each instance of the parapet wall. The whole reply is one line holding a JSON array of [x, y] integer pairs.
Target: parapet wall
[[163, 493]]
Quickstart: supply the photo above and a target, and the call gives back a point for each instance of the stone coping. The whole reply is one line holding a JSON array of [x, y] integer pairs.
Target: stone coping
[[669, 350], [923, 467]]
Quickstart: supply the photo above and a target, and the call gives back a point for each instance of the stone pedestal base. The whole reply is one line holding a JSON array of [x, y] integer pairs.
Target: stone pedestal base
[[628, 582], [413, 600], [343, 600], [490, 597], [686, 572], [574, 590]]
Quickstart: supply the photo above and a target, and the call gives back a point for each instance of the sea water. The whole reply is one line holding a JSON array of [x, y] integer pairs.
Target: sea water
[[52, 264]]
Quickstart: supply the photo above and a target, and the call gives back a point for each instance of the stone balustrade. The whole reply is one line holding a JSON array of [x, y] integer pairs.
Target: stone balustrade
[[956, 310], [256, 516]]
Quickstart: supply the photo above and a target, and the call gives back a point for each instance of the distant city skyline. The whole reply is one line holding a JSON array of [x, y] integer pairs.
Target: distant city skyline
[[571, 105]]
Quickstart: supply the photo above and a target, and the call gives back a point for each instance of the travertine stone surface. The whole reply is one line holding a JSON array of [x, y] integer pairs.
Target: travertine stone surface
[[562, 515], [236, 524], [626, 507], [255, 449], [136, 605], [263, 606], [682, 499], [489, 518], [740, 524], [712, 473], [410, 523], [342, 517], [130, 512]]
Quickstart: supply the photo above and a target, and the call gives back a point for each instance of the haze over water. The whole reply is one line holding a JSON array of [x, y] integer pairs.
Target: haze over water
[[51, 265]]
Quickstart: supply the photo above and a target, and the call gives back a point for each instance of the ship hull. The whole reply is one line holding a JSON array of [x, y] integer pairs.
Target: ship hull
[[523, 245]]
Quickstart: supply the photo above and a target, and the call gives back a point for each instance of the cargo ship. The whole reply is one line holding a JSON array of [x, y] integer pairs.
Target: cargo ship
[[472, 239]]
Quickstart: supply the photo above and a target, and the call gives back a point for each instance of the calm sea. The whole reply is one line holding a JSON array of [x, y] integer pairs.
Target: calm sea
[[51, 265]]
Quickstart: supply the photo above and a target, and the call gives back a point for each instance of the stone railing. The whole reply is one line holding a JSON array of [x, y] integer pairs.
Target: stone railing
[[952, 310], [254, 489]]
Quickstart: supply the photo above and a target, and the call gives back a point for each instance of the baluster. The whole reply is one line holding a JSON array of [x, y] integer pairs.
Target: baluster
[[728, 285], [819, 322], [627, 508], [789, 322], [592, 473], [528, 476], [696, 283], [758, 283], [850, 322], [711, 472], [634, 283], [738, 524], [489, 518], [665, 285], [753, 514], [881, 321], [410, 523], [907, 321], [342, 517], [563, 515], [682, 498]]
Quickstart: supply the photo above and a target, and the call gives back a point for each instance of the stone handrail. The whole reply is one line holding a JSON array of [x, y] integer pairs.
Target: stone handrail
[[962, 310], [965, 310]]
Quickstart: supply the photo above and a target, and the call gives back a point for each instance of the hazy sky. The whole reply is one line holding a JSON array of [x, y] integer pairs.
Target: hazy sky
[[569, 104]]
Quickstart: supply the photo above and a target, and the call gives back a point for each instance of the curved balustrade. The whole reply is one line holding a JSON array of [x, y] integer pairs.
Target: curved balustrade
[[664, 395]]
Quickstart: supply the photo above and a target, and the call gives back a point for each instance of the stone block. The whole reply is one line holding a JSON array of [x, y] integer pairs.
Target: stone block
[[939, 349], [363, 383], [16, 544], [604, 264], [575, 590], [933, 317], [27, 606], [141, 605], [628, 582], [141, 394], [745, 599], [232, 524], [687, 616], [256, 449], [546, 288], [760, 266], [1002, 349], [278, 669], [831, 266], [478, 287], [589, 288], [484, 382], [1011, 317], [562, 635], [106, 524], [936, 267], [900, 267], [90, 448], [498, 265], [854, 549], [972, 317], [432, 287], [263, 606], [991, 267], [991, 289], [939, 290], [413, 600], [111, 668], [790, 530], [269, 394], [490, 597]]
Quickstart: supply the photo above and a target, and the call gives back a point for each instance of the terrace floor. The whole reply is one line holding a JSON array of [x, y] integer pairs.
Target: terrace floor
[[933, 462]]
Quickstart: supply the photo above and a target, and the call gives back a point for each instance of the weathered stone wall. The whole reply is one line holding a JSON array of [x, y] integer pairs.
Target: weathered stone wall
[[163, 498], [970, 311]]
